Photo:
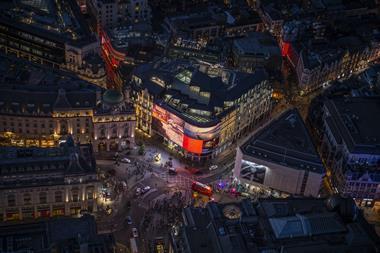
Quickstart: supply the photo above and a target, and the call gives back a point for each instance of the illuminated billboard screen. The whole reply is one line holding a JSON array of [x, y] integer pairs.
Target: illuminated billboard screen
[[252, 171], [168, 124], [192, 145], [194, 139], [208, 135]]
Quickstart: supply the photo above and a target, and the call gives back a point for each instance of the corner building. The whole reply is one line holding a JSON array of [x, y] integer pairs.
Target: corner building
[[281, 158], [198, 109], [351, 146]]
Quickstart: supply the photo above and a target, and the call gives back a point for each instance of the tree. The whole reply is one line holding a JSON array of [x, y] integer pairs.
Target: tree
[[142, 149]]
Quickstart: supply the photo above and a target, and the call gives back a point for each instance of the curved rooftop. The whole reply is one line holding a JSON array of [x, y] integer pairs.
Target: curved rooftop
[[113, 97]]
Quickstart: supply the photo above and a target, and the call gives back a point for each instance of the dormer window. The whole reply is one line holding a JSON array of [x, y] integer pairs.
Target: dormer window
[[195, 88], [205, 94], [158, 81], [185, 76]]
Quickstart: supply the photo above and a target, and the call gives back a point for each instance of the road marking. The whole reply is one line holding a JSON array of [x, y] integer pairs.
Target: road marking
[[177, 180], [149, 193]]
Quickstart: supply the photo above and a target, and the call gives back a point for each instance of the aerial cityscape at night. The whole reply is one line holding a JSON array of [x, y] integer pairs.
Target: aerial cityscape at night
[[189, 126]]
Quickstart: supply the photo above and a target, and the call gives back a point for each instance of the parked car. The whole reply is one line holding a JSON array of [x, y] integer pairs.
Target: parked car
[[135, 233], [213, 167], [145, 189], [129, 220], [125, 160], [172, 171], [138, 191], [157, 157]]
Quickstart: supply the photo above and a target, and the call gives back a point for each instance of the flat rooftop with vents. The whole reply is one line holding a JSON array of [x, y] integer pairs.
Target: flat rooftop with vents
[[57, 20], [356, 122], [286, 141]]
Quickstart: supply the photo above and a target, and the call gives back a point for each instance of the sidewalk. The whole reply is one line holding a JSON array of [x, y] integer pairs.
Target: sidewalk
[[123, 173]]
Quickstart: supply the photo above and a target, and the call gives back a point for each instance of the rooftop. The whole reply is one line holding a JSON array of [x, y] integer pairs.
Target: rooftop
[[20, 167], [126, 37], [286, 141], [195, 91], [59, 21], [28, 89], [62, 234], [355, 123], [257, 43], [112, 97], [239, 14], [292, 225]]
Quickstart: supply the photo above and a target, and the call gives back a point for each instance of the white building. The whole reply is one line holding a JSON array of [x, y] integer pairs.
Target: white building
[[103, 12], [281, 158], [113, 13], [351, 145]]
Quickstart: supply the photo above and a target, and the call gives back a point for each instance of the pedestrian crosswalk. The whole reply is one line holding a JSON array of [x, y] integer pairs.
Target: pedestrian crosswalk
[[176, 180]]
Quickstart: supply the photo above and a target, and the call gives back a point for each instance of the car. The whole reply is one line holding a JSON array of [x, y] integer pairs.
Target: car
[[107, 195], [213, 167], [138, 191], [172, 171], [135, 233], [145, 189], [129, 220], [125, 160], [109, 210], [157, 157]]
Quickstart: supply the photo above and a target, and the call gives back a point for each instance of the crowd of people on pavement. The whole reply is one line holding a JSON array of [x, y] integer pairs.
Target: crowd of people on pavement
[[163, 214]]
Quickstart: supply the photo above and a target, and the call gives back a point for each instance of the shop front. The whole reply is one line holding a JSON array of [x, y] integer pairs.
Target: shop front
[[12, 214], [58, 210], [75, 210], [43, 212], [27, 213]]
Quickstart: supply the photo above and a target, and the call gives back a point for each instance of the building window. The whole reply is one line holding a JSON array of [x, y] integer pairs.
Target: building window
[[126, 130], [75, 195], [43, 197], [58, 196], [102, 132], [27, 199], [11, 200], [90, 194]]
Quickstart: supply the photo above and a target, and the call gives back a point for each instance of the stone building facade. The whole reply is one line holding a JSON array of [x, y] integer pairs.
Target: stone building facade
[[46, 182]]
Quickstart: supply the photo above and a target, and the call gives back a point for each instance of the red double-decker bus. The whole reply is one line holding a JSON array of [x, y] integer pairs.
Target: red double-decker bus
[[201, 188]]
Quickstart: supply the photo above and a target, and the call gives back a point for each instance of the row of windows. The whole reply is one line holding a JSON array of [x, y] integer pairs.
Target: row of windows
[[37, 125], [42, 125], [368, 185], [43, 198], [27, 131]]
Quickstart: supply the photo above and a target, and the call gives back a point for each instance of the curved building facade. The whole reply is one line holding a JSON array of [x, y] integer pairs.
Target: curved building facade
[[199, 110]]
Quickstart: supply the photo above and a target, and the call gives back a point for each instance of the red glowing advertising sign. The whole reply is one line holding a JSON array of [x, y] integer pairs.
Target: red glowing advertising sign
[[192, 145]]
